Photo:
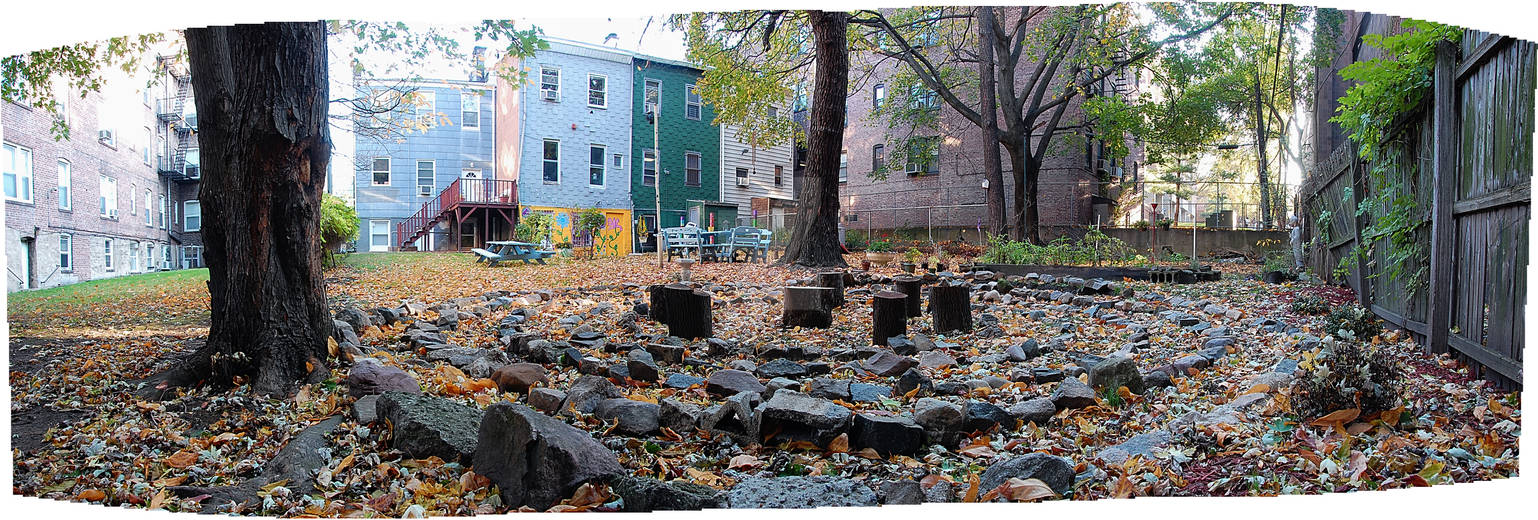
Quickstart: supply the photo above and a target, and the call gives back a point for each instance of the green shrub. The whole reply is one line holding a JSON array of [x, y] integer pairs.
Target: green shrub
[[1352, 323], [1309, 304], [856, 240], [534, 227], [1349, 374], [338, 222], [880, 246], [1094, 248]]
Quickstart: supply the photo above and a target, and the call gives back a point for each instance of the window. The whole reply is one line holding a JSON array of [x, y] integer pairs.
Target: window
[[149, 255], [64, 185], [742, 176], [843, 166], [619, 161], [550, 83], [165, 261], [595, 167], [66, 252], [597, 91], [133, 203], [149, 141], [192, 215], [381, 171], [106, 253], [691, 168], [148, 199], [18, 173], [921, 97], [552, 161], [649, 167], [192, 256], [779, 175], [162, 218], [774, 113], [378, 235], [692, 105], [470, 110], [193, 161], [133, 256], [427, 104], [878, 94], [800, 101], [652, 96], [878, 158], [921, 156], [107, 187], [426, 175]]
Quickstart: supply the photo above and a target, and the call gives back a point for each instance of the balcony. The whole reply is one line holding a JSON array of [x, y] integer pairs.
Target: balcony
[[169, 108], [179, 169]]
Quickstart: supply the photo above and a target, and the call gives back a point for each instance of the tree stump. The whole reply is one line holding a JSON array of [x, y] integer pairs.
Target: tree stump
[[834, 280], [688, 311], [657, 304], [913, 287], [808, 307], [889, 316], [951, 307]]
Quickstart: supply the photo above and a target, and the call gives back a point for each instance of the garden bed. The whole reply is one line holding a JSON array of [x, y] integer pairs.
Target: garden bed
[[1156, 274]]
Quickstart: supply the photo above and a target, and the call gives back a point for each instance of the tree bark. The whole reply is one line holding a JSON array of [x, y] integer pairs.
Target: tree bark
[[658, 305], [1260, 147], [814, 240], [913, 288], [992, 169], [808, 307], [834, 280], [950, 306], [688, 311], [262, 94], [889, 316]]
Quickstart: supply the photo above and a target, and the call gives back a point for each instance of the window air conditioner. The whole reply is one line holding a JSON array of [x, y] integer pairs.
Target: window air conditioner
[[550, 95], [106, 137], [742, 181], [425, 190]]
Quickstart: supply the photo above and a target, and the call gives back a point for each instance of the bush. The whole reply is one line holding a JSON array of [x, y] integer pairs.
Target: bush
[[1094, 248], [856, 240], [1352, 323], [958, 249], [1349, 374], [338, 222], [880, 246], [1309, 304], [534, 227]]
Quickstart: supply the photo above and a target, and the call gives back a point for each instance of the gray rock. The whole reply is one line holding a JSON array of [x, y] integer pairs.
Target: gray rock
[[1142, 444], [887, 364], [519, 377], [1038, 410], [800, 493], [935, 359], [430, 426], [643, 494], [727, 383], [354, 317], [372, 378], [344, 333], [830, 388], [1056, 472], [982, 416], [1070, 393], [942, 421], [1195, 361], [1286, 366], [912, 380], [679, 416], [634, 418], [940, 493], [1116, 372], [1213, 354], [780, 368], [886, 434], [364, 410], [546, 399], [682, 381], [780, 383], [642, 366], [585, 394], [1046, 375], [738, 417], [900, 492], [1157, 379], [536, 460], [794, 416], [868, 393], [922, 343], [743, 365]]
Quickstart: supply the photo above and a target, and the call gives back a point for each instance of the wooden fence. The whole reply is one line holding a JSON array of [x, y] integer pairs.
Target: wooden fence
[[1466, 159]]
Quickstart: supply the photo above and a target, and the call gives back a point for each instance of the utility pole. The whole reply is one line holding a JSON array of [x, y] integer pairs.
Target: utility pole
[[655, 105]]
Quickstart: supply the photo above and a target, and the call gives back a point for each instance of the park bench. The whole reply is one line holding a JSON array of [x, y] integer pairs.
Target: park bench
[[752, 242], [683, 241]]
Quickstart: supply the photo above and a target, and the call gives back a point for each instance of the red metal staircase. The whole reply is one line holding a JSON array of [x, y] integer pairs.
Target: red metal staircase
[[451, 203]]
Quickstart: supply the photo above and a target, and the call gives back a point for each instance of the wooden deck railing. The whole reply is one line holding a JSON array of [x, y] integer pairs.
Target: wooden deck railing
[[495, 192]]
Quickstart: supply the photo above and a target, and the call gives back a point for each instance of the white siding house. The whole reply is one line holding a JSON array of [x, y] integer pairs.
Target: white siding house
[[764, 174]]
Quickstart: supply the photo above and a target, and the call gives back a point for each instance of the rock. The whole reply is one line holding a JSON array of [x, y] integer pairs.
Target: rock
[[1286, 366], [354, 317], [799, 493], [900, 492], [800, 417], [886, 434], [983, 416], [585, 394], [887, 364], [1056, 472], [830, 388], [1038, 410], [942, 421], [912, 380], [952, 388], [430, 426], [742, 364], [1232, 412], [941, 492], [484, 366], [619, 372], [1142, 444], [1116, 372], [935, 359], [1071, 393], [642, 366], [519, 377], [365, 409], [1157, 379], [634, 418], [922, 343], [1218, 342], [679, 416], [591, 365], [1274, 381], [344, 333], [682, 381], [726, 383], [868, 393], [902, 346], [1213, 354], [781, 368], [373, 378], [546, 399], [644, 494], [1046, 375], [737, 417], [536, 460]]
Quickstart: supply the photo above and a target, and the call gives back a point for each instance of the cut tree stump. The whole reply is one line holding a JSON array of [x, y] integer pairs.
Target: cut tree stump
[[913, 288], [835, 280], [889, 316], [807, 306], [657, 304], [950, 305], [688, 311]]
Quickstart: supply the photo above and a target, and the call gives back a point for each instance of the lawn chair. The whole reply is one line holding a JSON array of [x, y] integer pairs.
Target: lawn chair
[[682, 241]]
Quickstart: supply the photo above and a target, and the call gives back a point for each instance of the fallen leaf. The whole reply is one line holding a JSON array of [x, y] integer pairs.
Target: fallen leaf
[[159, 499], [1337, 418], [972, 484], [182, 459], [1017, 490], [743, 461], [92, 495], [839, 444]]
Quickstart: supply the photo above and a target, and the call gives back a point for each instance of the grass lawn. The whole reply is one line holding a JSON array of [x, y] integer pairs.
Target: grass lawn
[[165, 298]]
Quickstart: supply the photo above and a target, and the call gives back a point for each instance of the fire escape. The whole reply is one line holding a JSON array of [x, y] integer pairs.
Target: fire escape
[[464, 200]]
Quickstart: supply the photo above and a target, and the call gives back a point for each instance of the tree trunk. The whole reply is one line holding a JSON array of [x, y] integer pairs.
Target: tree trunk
[[262, 94], [835, 280], [688, 311], [1260, 147], [913, 288], [950, 306], [1017, 165], [810, 307], [814, 240], [658, 305], [992, 169], [889, 316]]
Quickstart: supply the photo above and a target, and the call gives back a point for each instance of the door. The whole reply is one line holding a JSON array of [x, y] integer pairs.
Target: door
[[473, 188], [379, 235], [29, 267], [694, 215]]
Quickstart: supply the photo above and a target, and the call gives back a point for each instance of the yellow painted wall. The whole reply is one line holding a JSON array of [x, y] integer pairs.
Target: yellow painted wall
[[614, 240]]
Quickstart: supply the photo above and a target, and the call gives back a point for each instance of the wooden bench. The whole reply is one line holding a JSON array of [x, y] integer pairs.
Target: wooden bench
[[483, 255]]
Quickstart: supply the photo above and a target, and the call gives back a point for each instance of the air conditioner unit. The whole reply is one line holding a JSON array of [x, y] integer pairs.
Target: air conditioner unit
[[742, 181], [106, 137], [550, 95], [193, 171], [425, 190]]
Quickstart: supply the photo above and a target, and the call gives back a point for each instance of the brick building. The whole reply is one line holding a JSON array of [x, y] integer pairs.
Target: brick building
[[100, 203]]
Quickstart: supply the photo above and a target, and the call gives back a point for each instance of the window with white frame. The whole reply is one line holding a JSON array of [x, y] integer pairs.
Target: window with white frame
[[165, 261], [381, 171], [426, 174], [149, 141], [65, 182], [133, 203], [192, 257], [921, 97], [692, 104], [18, 173], [550, 83], [470, 110], [107, 188], [742, 176], [649, 167], [779, 175], [595, 166], [843, 166], [597, 91], [149, 257], [652, 95], [427, 105], [192, 215], [148, 199], [692, 168], [878, 94], [192, 163], [106, 253], [922, 152], [552, 161], [619, 161], [162, 218], [66, 252]]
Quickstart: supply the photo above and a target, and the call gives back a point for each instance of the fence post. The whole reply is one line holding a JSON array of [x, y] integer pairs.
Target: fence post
[[1444, 161], [1359, 191]]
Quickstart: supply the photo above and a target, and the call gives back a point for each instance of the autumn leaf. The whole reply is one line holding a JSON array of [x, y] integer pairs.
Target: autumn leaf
[[1259, 389], [158, 500], [1337, 418], [182, 459], [743, 461], [972, 484], [1026, 490], [839, 444], [92, 495]]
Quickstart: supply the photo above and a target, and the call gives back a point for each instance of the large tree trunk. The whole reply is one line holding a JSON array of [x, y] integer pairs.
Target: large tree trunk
[[814, 240], [1260, 148], [992, 169], [1027, 172], [261, 93]]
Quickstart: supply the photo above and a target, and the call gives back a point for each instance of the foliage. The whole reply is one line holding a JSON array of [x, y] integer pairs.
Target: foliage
[[1280, 261], [535, 228], [338, 221], [957, 248], [1388, 87], [1309, 304], [1349, 375], [880, 246], [1165, 222], [1352, 322], [912, 255], [1094, 248], [29, 79], [591, 220], [856, 240], [1141, 225]]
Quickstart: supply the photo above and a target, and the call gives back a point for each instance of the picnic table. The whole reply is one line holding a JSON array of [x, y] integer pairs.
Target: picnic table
[[716, 245], [508, 250]]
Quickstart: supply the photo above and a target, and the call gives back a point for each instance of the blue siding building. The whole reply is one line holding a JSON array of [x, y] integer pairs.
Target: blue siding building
[[440, 132]]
